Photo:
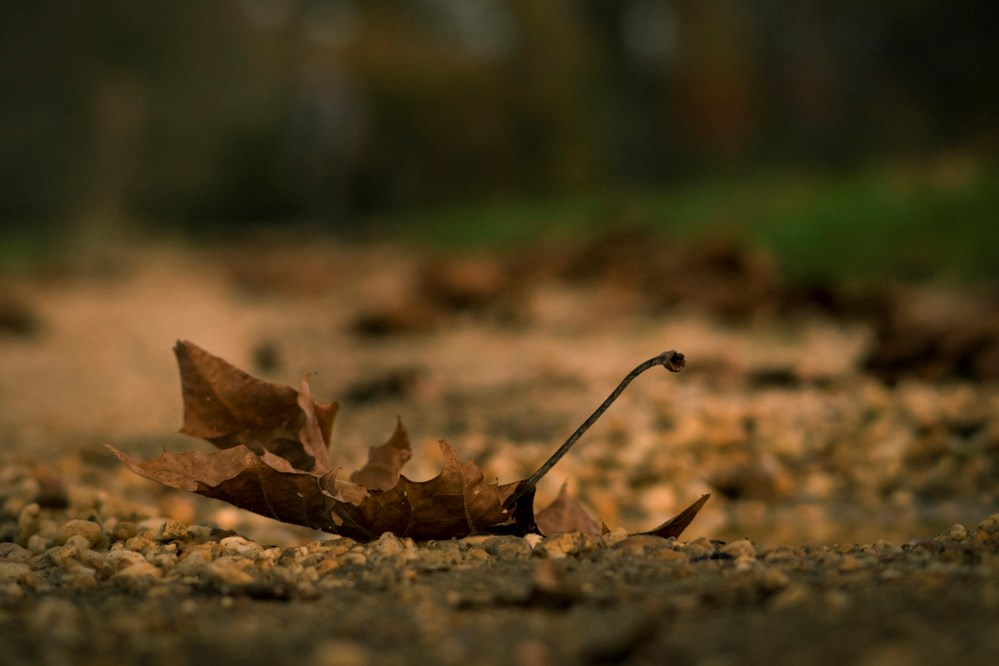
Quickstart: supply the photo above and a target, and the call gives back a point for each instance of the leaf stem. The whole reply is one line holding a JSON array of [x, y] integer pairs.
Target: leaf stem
[[671, 360]]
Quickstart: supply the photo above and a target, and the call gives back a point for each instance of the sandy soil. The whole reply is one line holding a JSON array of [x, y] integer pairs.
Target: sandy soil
[[773, 415]]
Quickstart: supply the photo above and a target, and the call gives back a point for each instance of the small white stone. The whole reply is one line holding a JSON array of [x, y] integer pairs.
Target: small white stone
[[533, 539]]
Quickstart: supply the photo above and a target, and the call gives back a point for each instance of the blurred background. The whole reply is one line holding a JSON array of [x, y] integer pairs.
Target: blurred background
[[847, 137]]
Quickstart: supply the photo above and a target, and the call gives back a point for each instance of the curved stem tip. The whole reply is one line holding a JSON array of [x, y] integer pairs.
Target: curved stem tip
[[671, 360]]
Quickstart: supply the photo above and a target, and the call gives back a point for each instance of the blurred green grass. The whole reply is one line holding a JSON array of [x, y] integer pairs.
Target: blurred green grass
[[879, 222], [908, 222]]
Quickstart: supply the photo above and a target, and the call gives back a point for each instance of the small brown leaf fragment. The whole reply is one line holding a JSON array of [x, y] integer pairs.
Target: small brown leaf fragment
[[381, 472], [566, 514], [229, 408], [678, 523]]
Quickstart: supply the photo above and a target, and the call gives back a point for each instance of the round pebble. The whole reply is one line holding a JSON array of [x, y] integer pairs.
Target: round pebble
[[85, 529]]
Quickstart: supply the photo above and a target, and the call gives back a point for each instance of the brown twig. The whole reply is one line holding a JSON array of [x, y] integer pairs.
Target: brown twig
[[671, 360]]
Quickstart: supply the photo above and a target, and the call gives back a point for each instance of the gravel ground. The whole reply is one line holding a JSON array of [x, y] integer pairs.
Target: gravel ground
[[849, 518], [160, 591]]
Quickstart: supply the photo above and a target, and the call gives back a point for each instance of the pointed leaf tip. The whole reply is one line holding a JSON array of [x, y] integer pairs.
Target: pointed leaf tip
[[566, 514], [678, 523], [381, 472]]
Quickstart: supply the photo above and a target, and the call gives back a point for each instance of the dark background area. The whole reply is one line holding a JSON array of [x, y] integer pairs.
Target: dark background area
[[801, 124]]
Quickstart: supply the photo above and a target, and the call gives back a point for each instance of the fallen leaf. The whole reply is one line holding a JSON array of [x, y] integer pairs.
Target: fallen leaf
[[273, 460], [566, 514], [444, 507]]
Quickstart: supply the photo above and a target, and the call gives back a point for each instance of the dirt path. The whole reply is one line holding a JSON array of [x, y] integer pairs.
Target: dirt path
[[772, 416]]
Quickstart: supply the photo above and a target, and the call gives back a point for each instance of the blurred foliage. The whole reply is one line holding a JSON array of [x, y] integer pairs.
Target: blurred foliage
[[338, 112], [911, 221]]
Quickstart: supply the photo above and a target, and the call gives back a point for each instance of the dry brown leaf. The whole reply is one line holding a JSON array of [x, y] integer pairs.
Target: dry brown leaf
[[273, 460], [566, 514]]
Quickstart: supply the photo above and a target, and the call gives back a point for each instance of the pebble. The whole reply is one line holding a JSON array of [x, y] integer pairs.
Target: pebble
[[80, 580], [849, 563], [171, 530], [507, 547], [560, 545], [739, 548], [990, 525], [352, 558], [237, 545], [194, 561], [95, 561], [770, 579], [28, 523], [88, 530], [615, 536], [124, 531], [38, 544], [59, 555], [13, 571], [698, 548], [122, 559], [231, 570], [11, 552], [11, 592], [156, 556], [138, 570], [473, 554], [140, 542], [638, 544], [340, 653], [533, 540], [955, 533], [388, 544]]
